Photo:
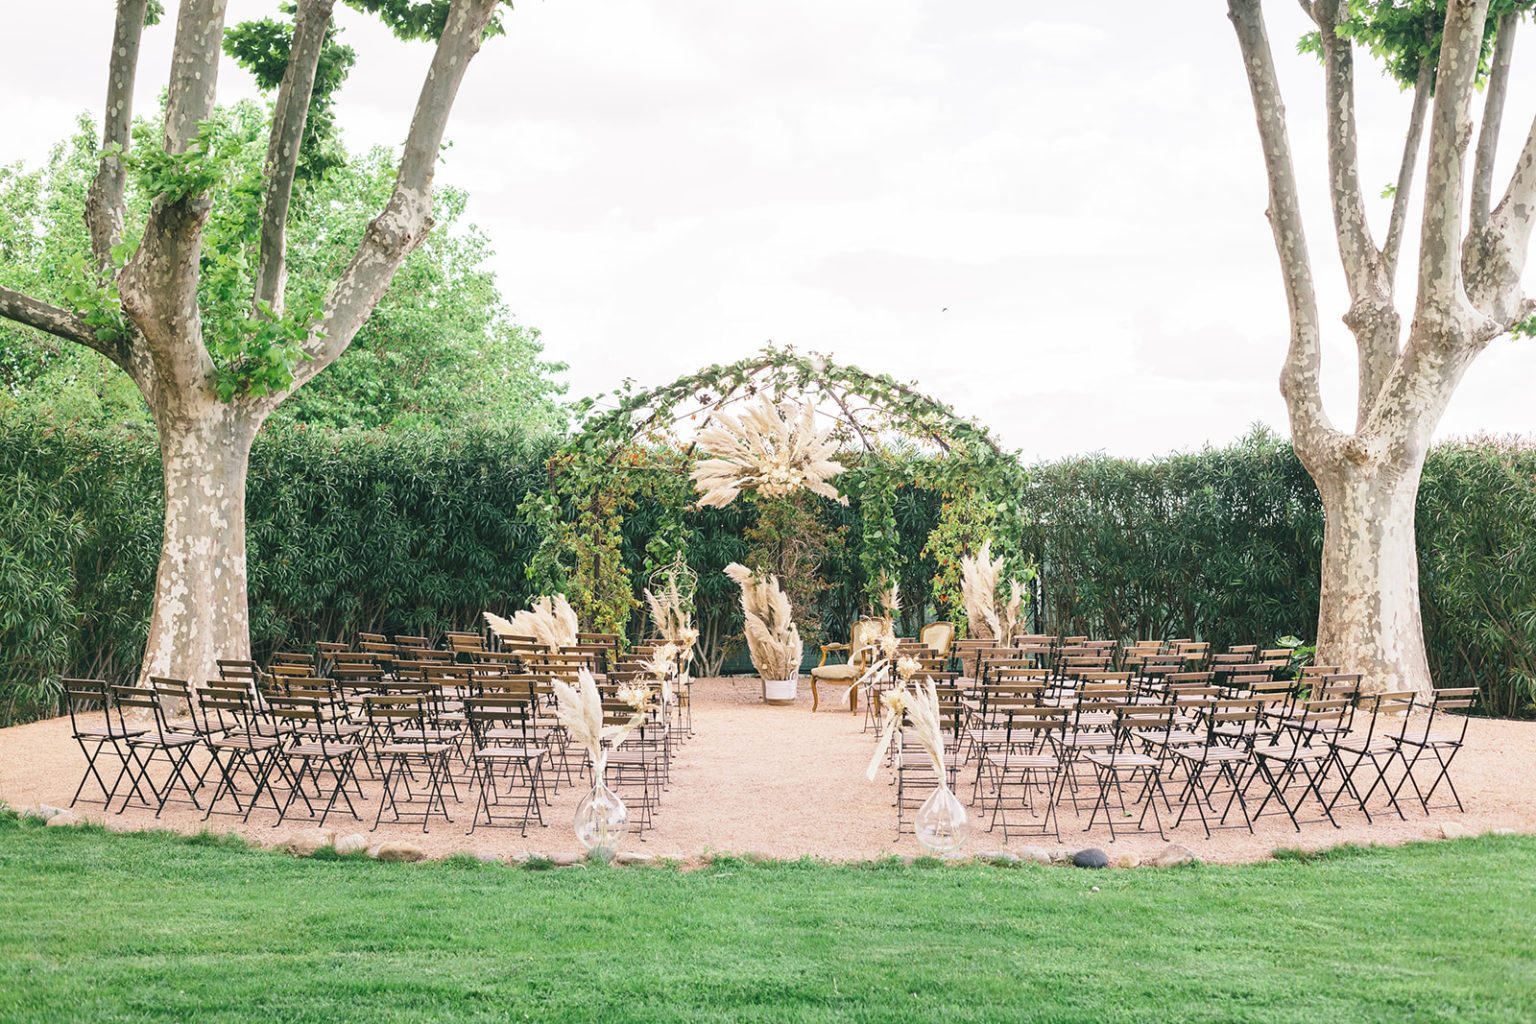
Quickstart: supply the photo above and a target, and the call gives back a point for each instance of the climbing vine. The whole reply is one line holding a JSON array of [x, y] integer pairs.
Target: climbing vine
[[892, 435]]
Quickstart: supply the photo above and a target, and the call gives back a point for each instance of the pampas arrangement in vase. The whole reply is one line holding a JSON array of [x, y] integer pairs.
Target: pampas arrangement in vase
[[773, 640]]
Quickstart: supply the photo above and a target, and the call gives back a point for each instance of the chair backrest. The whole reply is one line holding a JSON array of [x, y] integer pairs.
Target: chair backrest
[[82, 695], [862, 651], [410, 640], [372, 638], [1448, 700], [225, 708], [500, 712], [937, 637]]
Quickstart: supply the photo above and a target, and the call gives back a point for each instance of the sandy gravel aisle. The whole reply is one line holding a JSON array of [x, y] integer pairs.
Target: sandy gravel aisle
[[783, 782]]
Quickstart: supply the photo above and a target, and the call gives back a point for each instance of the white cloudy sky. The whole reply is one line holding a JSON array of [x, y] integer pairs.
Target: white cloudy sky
[[1052, 220]]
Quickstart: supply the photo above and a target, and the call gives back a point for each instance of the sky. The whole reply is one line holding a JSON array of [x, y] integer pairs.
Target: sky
[[1050, 216]]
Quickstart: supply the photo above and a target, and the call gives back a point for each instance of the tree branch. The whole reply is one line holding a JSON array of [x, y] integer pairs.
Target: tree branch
[[1495, 256], [310, 24], [1299, 376], [104, 201], [1357, 250], [159, 285], [194, 71], [1411, 141], [1450, 131], [61, 323], [407, 216], [1493, 118]]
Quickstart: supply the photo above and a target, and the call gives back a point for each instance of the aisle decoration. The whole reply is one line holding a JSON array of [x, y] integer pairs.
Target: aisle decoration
[[550, 620], [941, 823], [762, 451], [986, 618], [773, 640], [601, 818]]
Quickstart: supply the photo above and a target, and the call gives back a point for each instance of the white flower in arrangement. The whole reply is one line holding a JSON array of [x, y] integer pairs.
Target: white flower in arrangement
[[762, 451], [907, 667], [637, 695], [687, 637], [889, 644]]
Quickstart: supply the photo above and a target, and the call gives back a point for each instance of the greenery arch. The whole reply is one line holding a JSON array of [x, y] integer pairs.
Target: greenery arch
[[892, 434]]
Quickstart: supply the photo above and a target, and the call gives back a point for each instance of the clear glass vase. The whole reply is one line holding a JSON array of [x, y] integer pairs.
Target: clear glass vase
[[602, 820], [941, 823]]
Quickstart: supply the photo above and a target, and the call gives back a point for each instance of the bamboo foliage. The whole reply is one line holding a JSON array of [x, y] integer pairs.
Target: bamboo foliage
[[772, 637], [763, 451]]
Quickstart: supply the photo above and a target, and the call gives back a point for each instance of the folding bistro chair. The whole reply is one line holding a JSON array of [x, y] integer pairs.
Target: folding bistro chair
[[320, 755], [229, 715], [505, 752], [156, 743], [409, 742], [1442, 747], [1368, 757], [79, 694]]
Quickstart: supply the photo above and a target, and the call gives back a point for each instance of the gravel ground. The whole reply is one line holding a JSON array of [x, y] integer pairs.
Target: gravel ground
[[786, 782]]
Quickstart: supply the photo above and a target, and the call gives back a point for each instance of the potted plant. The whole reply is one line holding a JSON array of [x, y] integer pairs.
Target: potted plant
[[773, 641]]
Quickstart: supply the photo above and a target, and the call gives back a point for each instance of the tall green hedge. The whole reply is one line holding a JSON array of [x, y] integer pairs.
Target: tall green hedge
[[418, 532]]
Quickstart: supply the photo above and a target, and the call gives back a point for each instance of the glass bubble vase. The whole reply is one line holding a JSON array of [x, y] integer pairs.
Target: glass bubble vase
[[941, 823], [602, 820]]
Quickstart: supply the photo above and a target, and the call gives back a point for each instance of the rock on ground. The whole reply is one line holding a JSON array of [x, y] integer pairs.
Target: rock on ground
[[1093, 857], [1171, 856], [398, 851], [354, 843]]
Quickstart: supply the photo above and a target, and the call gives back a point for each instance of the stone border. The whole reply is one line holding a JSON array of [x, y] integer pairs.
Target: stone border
[[355, 845]]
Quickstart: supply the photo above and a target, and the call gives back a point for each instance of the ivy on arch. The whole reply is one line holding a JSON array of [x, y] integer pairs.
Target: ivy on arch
[[891, 434]]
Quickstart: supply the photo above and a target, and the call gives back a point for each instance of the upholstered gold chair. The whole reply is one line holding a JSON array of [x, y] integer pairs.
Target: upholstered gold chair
[[861, 654], [937, 636]]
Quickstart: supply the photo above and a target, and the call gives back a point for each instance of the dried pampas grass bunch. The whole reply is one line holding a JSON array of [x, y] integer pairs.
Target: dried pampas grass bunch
[[762, 451], [551, 619], [888, 601], [773, 640], [670, 613], [580, 709], [986, 617]]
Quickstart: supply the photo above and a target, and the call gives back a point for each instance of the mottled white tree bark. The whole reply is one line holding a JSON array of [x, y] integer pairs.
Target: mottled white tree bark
[[1468, 294], [200, 606]]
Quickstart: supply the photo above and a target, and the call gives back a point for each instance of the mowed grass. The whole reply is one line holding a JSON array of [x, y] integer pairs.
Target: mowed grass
[[102, 927]]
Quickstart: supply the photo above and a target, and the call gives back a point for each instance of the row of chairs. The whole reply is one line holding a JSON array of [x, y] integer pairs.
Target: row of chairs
[[1121, 746], [290, 739]]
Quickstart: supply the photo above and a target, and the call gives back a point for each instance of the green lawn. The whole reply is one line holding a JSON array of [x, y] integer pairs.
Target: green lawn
[[99, 927]]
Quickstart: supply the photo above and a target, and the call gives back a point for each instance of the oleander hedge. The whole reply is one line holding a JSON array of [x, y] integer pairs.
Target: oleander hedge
[[419, 531]]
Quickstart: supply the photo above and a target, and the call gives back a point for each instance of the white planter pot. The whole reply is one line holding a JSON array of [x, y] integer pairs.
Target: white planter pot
[[781, 691]]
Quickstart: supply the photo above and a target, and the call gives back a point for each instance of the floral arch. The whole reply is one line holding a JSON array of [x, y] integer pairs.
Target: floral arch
[[636, 458]]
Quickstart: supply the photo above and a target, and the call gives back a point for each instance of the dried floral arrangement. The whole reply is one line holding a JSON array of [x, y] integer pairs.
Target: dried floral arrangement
[[551, 620], [919, 706], [987, 618], [772, 637], [764, 450], [671, 615], [580, 709]]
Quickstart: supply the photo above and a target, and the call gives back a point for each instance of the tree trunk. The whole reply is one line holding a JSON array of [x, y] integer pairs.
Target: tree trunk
[[200, 612], [1368, 619]]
